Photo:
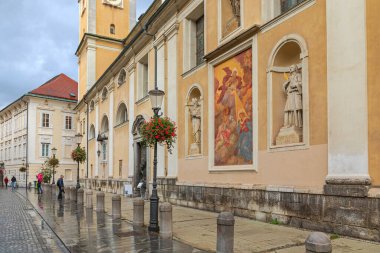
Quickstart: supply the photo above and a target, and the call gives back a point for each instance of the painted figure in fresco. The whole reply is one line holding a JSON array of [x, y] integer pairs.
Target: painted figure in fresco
[[225, 141], [195, 112], [244, 127], [231, 82], [293, 107]]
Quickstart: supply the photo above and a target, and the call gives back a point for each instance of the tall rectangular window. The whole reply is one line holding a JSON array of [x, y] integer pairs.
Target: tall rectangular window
[[199, 40], [68, 122], [142, 88], [120, 167], [104, 151], [45, 149], [45, 120]]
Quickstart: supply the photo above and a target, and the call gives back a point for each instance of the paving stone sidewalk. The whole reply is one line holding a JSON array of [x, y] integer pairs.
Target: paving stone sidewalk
[[198, 228], [21, 227], [85, 230]]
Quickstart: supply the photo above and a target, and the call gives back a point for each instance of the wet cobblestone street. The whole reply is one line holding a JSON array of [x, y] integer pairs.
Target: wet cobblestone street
[[22, 229], [85, 230]]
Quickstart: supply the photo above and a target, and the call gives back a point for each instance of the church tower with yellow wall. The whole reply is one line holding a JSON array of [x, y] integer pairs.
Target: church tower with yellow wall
[[103, 24]]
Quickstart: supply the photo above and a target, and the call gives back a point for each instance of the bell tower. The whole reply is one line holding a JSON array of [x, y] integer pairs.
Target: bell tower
[[103, 24]]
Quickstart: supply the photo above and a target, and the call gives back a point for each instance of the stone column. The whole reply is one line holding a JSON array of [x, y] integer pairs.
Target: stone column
[[138, 212], [116, 207], [100, 202], [171, 38], [347, 81], [89, 199], [318, 242], [110, 132], [131, 116], [73, 196], [225, 233], [166, 220], [97, 146], [80, 193], [160, 44]]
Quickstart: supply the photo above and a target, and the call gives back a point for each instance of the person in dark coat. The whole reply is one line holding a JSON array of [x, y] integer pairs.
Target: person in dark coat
[[13, 180], [61, 186]]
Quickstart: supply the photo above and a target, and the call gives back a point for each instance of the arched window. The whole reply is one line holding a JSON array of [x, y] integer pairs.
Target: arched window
[[104, 93], [104, 126], [112, 29], [122, 77], [92, 105], [122, 114], [92, 132]]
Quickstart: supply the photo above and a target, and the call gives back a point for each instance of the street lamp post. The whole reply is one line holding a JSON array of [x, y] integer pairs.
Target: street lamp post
[[54, 152], [26, 173], [156, 96], [78, 138]]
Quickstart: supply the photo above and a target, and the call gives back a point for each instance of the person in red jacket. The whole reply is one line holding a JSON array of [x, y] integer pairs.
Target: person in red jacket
[[6, 180]]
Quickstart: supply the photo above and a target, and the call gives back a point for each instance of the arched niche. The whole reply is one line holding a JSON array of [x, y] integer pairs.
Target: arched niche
[[104, 126], [92, 105], [122, 77], [288, 94], [194, 121], [122, 114], [92, 132], [104, 93]]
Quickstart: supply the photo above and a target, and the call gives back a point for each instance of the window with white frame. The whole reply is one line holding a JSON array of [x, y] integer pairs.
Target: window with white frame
[[193, 43], [45, 149], [142, 83], [288, 4], [104, 151], [68, 122], [45, 120]]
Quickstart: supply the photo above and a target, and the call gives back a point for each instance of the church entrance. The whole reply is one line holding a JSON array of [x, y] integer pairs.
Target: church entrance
[[140, 180]]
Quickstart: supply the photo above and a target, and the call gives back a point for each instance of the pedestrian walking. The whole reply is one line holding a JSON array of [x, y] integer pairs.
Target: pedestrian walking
[[40, 178], [61, 188], [6, 180], [13, 183]]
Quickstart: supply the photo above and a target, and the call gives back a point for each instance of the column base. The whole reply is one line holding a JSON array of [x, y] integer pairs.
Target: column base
[[355, 186]]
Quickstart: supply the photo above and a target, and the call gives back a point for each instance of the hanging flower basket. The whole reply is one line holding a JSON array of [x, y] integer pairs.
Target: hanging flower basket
[[79, 155], [22, 169], [159, 130], [53, 162]]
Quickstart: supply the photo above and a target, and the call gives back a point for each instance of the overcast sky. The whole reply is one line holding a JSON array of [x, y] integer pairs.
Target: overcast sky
[[38, 41]]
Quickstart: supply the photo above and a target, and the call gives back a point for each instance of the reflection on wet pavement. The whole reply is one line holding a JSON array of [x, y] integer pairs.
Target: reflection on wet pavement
[[84, 230]]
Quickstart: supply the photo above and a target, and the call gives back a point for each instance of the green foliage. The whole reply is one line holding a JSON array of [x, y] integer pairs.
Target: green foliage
[[159, 130], [79, 155], [22, 169], [275, 222], [53, 162], [334, 236]]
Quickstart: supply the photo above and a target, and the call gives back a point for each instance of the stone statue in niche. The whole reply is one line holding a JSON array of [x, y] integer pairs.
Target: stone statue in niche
[[291, 132], [195, 113]]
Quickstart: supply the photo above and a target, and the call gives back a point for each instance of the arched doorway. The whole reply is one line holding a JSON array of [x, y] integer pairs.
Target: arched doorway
[[141, 158]]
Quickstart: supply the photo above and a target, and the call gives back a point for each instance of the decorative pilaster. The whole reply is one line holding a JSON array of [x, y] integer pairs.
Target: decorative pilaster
[[347, 98], [171, 37], [131, 115]]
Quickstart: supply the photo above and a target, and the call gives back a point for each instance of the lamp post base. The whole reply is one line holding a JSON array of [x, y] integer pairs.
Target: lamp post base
[[153, 223]]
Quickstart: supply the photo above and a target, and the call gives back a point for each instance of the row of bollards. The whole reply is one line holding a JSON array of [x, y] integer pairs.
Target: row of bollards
[[316, 242]]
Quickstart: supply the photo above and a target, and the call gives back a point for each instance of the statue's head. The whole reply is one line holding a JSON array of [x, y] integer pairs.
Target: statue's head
[[293, 68]]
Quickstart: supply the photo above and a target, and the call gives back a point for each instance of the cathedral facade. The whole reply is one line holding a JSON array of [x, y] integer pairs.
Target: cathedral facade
[[275, 104]]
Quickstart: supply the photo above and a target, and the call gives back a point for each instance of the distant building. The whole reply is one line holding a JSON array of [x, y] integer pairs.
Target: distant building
[[34, 124]]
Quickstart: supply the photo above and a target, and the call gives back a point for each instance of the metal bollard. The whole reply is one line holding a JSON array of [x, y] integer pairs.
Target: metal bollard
[[318, 242], [138, 212], [166, 219], [80, 193], [89, 199], [225, 233], [116, 207], [100, 202], [73, 196]]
